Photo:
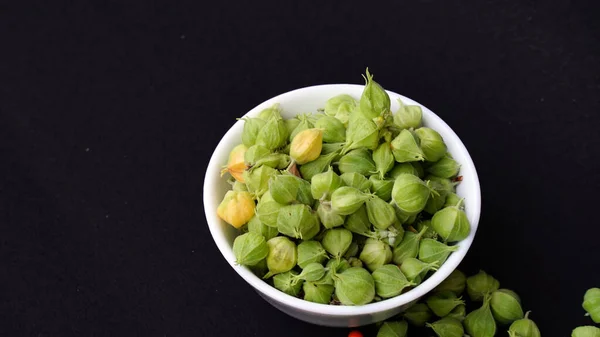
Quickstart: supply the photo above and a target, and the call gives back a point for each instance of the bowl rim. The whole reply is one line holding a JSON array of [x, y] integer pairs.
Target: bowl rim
[[335, 310]]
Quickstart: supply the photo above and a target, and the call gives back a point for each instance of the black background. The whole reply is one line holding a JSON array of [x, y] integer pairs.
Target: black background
[[109, 113]]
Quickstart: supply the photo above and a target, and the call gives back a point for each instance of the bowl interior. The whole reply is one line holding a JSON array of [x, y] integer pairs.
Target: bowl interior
[[308, 100]]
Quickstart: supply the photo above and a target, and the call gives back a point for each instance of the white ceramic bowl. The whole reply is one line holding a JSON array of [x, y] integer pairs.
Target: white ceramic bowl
[[309, 99]]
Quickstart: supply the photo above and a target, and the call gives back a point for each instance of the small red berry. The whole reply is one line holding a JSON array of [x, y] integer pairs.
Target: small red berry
[[355, 333]]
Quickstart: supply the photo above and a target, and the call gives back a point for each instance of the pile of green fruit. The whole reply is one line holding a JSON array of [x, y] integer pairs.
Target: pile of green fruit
[[445, 311], [348, 205]]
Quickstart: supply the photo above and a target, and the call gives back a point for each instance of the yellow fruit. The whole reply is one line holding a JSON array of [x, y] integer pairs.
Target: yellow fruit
[[236, 165], [237, 208], [306, 146]]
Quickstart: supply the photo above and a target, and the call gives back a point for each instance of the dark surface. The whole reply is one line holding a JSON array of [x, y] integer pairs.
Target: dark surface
[[109, 113]]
